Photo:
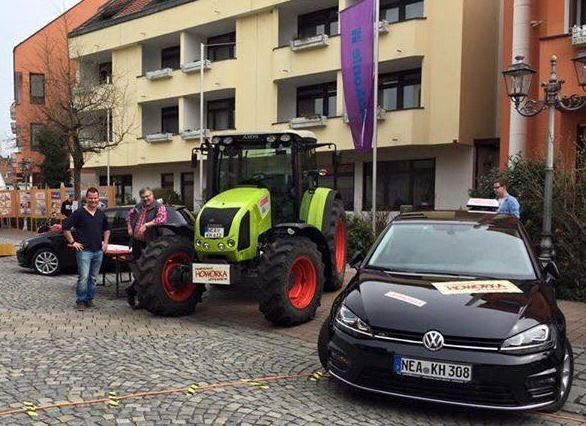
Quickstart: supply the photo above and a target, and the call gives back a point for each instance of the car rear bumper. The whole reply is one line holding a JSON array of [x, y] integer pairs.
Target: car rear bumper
[[499, 381]]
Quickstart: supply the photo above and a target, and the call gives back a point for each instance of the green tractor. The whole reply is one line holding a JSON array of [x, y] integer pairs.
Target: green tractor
[[266, 220]]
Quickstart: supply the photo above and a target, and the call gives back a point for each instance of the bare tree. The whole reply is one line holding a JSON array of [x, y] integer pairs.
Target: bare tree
[[85, 104]]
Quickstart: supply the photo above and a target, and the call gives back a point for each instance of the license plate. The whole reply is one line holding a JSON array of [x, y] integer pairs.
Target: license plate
[[214, 232], [432, 369], [208, 273]]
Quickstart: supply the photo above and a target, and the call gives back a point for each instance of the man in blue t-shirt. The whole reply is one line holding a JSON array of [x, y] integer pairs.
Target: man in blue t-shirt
[[92, 233], [507, 203]]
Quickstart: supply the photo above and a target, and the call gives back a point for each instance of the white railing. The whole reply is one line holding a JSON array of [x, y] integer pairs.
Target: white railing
[[381, 115], [320, 40], [194, 134], [306, 122], [158, 137], [196, 66], [579, 35], [159, 74]]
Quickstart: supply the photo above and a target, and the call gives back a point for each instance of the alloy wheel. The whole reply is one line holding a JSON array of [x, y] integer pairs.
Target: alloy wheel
[[46, 262]]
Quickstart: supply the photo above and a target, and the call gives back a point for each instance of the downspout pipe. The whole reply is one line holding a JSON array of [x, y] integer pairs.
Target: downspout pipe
[[520, 47]]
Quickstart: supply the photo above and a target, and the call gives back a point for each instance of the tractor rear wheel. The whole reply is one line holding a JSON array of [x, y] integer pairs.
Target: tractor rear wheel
[[291, 281], [162, 284], [335, 234]]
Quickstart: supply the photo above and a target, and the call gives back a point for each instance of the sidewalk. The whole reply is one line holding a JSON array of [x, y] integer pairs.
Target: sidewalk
[[15, 236]]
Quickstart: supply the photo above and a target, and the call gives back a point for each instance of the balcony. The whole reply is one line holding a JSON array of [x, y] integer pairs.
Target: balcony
[[192, 134], [159, 74], [13, 111], [314, 42], [308, 122], [380, 116], [158, 137], [383, 27], [579, 35], [196, 66], [13, 127]]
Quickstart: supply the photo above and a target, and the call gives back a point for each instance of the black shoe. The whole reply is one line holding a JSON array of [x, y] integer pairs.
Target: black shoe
[[80, 306], [90, 304]]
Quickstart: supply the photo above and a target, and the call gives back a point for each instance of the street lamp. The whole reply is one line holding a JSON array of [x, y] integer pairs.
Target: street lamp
[[518, 82]]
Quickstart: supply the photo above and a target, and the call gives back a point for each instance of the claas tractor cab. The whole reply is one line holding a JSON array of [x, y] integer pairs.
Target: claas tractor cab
[[266, 219]]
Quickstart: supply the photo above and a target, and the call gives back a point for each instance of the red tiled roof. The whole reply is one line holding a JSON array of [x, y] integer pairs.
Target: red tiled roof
[[133, 7]]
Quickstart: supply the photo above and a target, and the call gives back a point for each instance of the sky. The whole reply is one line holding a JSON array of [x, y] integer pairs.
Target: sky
[[18, 20]]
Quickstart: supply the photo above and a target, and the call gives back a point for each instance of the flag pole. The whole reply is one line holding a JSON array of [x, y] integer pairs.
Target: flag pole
[[375, 113], [201, 118]]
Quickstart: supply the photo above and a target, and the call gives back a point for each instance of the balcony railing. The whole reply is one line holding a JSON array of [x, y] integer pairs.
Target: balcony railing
[[196, 66], [158, 137], [579, 35], [313, 42], [159, 74], [381, 115], [13, 127], [194, 134], [13, 111], [307, 122]]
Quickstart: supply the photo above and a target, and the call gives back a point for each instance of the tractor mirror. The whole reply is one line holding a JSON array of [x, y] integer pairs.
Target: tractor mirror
[[356, 259], [194, 160]]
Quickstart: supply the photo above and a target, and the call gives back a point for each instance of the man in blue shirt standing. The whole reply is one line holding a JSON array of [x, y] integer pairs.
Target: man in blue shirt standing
[[92, 232], [507, 203]]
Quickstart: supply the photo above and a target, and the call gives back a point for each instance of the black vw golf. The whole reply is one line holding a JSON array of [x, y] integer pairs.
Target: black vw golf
[[452, 307]]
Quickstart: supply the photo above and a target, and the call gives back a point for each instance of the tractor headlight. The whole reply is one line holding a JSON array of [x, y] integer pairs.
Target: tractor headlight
[[349, 321], [231, 243], [536, 339], [216, 140], [206, 246], [228, 140], [285, 138], [197, 243], [221, 246], [271, 138]]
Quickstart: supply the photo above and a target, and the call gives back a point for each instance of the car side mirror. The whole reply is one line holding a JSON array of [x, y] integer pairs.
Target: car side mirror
[[356, 260], [552, 271]]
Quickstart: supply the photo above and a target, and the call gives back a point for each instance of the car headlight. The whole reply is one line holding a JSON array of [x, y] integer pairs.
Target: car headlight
[[24, 244], [348, 320], [536, 339]]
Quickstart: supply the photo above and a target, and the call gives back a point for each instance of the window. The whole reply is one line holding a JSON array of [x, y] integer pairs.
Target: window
[[320, 22], [226, 51], [317, 100], [17, 87], [167, 180], [37, 91], [400, 90], [400, 10], [170, 120], [105, 72], [187, 189], [345, 183], [123, 184], [170, 57], [577, 12], [36, 131], [401, 182], [221, 114]]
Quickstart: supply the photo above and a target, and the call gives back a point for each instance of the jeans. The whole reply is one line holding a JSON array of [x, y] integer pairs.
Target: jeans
[[88, 267]]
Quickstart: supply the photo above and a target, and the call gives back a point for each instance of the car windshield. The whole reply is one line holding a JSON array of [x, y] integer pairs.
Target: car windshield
[[454, 249], [268, 165]]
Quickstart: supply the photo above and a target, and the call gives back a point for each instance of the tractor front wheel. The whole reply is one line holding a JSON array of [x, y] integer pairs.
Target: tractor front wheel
[[335, 234], [163, 283], [292, 276]]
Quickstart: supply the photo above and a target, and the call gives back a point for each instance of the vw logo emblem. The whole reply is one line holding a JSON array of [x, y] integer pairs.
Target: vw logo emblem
[[433, 340]]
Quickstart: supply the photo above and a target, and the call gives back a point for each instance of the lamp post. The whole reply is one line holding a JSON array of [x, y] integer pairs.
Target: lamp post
[[518, 82]]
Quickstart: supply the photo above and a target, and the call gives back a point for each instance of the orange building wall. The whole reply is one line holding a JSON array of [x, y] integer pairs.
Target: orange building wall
[[548, 37], [28, 58]]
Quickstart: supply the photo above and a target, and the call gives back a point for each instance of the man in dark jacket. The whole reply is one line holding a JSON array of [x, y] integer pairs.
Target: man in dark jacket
[[67, 206], [142, 220]]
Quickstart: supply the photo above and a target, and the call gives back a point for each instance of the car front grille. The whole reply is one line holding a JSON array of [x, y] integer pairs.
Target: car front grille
[[387, 381], [454, 342]]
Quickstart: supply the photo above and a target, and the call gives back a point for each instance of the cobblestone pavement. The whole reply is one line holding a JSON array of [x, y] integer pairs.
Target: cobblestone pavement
[[50, 353]]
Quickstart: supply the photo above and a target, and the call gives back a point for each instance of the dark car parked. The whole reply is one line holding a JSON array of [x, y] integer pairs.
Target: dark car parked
[[48, 253], [452, 307]]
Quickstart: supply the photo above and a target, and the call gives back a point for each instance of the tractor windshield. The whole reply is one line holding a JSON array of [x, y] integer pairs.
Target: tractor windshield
[[264, 165]]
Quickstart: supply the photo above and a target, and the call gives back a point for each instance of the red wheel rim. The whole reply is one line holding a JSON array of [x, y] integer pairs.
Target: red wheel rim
[[176, 293], [302, 282], [340, 246]]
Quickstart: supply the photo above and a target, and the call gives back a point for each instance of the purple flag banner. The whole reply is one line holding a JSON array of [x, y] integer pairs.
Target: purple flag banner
[[357, 31]]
